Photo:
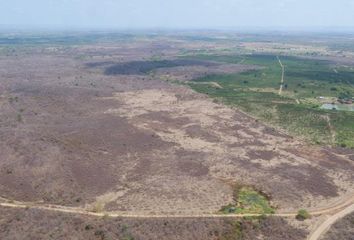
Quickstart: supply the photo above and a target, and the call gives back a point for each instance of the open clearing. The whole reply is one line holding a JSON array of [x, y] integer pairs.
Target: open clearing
[[338, 227], [321, 230], [115, 130]]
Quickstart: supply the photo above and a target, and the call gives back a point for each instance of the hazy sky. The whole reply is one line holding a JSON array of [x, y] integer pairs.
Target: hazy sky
[[177, 13]]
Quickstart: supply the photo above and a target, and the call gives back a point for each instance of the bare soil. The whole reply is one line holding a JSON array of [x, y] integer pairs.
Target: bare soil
[[341, 230], [190, 72], [37, 225], [129, 142], [144, 67]]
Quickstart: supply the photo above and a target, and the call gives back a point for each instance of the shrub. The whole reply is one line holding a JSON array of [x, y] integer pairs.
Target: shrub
[[100, 233], [343, 145], [97, 207], [19, 117], [128, 237], [88, 227], [302, 215]]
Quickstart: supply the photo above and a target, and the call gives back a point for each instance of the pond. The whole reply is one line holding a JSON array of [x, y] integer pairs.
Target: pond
[[341, 107]]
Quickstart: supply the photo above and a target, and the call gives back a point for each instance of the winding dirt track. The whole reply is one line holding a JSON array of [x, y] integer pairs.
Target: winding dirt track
[[331, 129], [342, 206], [83, 211], [336, 212], [324, 227], [282, 76]]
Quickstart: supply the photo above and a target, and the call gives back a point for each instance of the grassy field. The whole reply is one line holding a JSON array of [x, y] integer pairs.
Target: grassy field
[[297, 108]]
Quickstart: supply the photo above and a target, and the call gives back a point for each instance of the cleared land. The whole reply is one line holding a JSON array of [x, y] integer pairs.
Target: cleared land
[[99, 127], [341, 230], [323, 228], [43, 225]]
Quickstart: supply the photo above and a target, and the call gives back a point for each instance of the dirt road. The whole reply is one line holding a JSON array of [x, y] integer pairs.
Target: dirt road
[[282, 76], [331, 129], [213, 84], [336, 211], [344, 204], [83, 211], [324, 227]]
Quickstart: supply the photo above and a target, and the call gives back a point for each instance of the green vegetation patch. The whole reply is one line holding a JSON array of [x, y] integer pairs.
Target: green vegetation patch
[[302, 215], [297, 108], [248, 200]]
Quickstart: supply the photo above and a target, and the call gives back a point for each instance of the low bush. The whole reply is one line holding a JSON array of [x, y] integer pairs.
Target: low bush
[[302, 215]]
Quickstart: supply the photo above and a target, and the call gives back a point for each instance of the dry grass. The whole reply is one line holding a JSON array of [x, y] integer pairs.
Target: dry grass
[[85, 136]]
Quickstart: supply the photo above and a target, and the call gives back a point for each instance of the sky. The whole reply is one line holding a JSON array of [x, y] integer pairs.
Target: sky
[[187, 14]]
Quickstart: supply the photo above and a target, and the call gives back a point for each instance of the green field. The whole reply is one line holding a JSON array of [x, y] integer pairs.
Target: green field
[[248, 200], [297, 108]]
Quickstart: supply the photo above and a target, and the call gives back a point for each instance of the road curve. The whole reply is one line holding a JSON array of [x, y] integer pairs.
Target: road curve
[[324, 227]]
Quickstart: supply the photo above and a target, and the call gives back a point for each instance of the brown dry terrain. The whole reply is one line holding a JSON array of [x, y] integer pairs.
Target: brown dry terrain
[[35, 224], [99, 131], [341, 230]]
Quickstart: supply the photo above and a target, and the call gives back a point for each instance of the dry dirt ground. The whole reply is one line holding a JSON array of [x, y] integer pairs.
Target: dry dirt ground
[[37, 225], [335, 222], [341, 230], [186, 73], [74, 133]]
